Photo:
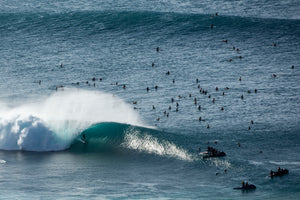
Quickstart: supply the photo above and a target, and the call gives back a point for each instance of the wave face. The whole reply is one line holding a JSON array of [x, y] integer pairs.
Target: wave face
[[110, 135], [53, 123]]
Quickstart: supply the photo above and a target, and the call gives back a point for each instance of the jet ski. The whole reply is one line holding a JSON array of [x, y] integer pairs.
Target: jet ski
[[280, 172], [212, 152]]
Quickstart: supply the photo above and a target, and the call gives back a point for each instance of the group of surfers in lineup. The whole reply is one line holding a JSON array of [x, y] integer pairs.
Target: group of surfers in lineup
[[211, 152]]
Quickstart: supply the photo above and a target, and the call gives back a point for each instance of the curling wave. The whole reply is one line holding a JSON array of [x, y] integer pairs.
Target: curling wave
[[58, 123], [52, 124]]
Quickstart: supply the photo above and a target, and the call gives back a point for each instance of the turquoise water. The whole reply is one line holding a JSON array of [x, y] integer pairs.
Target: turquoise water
[[64, 65]]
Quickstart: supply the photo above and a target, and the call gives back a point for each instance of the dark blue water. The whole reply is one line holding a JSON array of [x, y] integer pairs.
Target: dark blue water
[[72, 68]]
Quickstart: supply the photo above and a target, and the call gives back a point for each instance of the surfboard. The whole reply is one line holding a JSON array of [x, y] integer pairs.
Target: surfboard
[[81, 140]]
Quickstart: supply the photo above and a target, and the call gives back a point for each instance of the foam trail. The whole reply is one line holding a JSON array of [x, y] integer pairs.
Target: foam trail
[[54, 122], [2, 161], [281, 163]]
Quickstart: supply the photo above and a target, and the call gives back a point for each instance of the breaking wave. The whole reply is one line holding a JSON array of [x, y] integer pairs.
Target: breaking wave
[[53, 123], [58, 123]]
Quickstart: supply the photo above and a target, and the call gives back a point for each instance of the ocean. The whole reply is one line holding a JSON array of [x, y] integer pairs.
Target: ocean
[[116, 99]]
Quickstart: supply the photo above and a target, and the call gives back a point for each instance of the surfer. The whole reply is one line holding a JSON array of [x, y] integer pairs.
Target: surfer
[[83, 137], [246, 186]]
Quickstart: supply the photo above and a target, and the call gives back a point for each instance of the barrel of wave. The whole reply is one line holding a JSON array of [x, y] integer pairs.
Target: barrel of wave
[[52, 123]]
